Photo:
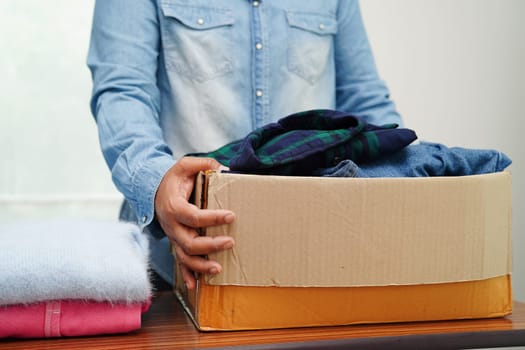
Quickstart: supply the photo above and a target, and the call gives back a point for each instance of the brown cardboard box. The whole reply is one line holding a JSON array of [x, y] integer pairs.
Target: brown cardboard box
[[330, 251]]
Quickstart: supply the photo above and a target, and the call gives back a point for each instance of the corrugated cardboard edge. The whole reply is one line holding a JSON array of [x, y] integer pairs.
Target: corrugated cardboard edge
[[189, 299], [181, 295], [237, 272]]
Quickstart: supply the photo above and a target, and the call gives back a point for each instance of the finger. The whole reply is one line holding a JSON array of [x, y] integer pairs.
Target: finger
[[190, 215], [187, 277], [191, 243], [197, 263]]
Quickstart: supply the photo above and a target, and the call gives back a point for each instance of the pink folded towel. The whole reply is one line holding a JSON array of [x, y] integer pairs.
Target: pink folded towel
[[63, 318]]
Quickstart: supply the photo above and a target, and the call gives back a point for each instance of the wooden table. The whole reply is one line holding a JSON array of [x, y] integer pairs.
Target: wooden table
[[166, 326]]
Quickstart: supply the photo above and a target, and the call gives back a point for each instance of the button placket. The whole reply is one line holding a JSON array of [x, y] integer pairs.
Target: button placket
[[259, 57]]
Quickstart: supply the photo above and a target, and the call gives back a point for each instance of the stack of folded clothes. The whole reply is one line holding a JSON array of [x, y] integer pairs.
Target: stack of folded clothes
[[72, 278], [324, 142]]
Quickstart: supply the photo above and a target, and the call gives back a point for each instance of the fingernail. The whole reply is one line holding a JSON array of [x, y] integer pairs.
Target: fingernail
[[227, 245], [213, 270], [228, 218]]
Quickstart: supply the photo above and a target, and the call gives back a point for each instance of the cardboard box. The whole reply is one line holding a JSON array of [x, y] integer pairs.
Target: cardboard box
[[332, 251]]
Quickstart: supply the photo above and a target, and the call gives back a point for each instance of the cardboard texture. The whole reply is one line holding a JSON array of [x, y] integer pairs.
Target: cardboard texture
[[330, 251]]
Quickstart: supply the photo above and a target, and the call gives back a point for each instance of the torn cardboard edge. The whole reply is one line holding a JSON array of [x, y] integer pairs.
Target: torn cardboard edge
[[350, 232]]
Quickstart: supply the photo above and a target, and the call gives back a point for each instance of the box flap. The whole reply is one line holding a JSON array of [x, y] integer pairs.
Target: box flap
[[301, 231]]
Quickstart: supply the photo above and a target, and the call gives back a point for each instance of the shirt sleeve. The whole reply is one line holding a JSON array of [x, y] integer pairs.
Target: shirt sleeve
[[359, 90], [123, 55]]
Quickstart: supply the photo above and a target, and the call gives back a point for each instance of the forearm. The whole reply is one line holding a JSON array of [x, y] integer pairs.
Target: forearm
[[125, 103]]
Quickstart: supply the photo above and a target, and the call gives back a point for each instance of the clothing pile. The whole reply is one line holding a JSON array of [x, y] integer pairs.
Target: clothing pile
[[72, 278], [334, 143]]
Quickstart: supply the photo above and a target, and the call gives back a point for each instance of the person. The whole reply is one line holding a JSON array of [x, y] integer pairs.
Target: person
[[173, 77]]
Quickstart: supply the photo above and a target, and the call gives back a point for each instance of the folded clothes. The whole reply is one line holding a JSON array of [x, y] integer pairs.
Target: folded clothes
[[424, 159], [73, 259], [68, 318], [305, 141]]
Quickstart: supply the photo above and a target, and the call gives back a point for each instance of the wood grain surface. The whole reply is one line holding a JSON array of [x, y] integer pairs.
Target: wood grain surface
[[166, 326]]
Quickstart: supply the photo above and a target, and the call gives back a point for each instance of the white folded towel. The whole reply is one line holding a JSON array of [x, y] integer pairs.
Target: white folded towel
[[73, 259]]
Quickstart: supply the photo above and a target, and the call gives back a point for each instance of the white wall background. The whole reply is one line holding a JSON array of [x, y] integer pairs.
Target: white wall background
[[455, 68], [50, 161]]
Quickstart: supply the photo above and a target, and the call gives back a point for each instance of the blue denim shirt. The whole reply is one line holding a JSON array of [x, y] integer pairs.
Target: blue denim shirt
[[172, 77]]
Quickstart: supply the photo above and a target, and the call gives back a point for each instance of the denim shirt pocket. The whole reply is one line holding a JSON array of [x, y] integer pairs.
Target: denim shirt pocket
[[310, 43], [197, 40]]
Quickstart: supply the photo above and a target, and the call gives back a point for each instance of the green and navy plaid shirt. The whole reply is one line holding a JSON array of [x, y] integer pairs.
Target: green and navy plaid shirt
[[303, 142]]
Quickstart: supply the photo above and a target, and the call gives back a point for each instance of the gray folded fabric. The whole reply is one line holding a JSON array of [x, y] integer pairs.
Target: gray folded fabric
[[73, 259]]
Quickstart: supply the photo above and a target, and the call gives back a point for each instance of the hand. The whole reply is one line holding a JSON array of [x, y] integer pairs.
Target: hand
[[179, 219]]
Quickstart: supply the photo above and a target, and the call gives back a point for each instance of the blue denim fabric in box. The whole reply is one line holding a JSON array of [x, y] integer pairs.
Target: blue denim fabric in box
[[424, 159]]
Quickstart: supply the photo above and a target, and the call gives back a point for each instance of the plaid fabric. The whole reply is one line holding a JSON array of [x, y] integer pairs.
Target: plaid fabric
[[303, 142]]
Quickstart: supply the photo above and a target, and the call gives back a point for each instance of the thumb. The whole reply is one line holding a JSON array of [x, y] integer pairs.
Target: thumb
[[193, 165]]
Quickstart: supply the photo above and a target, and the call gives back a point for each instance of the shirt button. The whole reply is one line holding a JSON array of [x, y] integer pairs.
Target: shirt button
[[255, 3], [200, 21], [258, 46], [258, 93], [144, 219], [321, 26]]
